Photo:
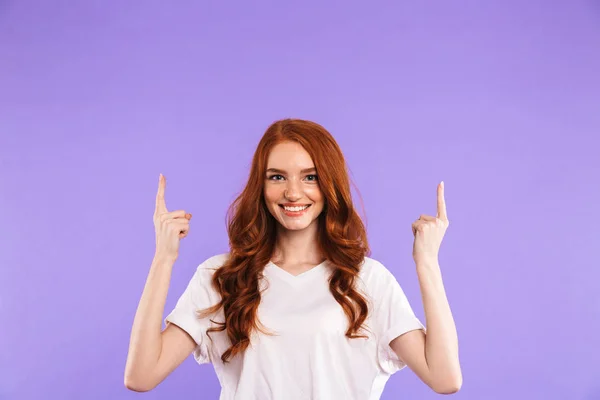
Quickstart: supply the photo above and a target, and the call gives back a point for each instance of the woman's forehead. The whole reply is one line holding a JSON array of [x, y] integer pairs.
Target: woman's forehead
[[289, 156]]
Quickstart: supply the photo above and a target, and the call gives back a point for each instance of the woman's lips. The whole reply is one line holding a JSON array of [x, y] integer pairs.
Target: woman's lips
[[294, 213]]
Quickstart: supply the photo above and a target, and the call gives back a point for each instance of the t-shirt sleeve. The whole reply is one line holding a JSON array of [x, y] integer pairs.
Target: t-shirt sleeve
[[393, 317], [196, 296]]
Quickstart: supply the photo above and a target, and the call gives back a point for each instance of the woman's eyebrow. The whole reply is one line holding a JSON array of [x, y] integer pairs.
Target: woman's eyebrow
[[278, 171]]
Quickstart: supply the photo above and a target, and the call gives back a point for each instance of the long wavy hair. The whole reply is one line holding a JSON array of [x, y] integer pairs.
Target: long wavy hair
[[252, 236]]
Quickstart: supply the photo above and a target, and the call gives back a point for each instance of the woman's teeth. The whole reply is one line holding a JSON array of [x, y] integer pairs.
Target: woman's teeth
[[295, 209]]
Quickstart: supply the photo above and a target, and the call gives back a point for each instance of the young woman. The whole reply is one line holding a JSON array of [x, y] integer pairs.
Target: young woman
[[296, 309]]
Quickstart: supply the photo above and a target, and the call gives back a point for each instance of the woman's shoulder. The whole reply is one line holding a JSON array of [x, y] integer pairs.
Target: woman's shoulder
[[373, 271], [211, 264], [371, 266], [215, 261], [202, 279]]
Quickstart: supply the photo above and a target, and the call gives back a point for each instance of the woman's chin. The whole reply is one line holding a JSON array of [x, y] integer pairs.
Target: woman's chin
[[295, 225]]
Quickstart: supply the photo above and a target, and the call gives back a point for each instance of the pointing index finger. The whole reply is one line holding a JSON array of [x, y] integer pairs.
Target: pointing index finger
[[441, 202], [161, 206]]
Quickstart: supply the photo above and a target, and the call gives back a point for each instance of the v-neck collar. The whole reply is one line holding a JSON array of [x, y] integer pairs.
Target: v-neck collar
[[283, 274]]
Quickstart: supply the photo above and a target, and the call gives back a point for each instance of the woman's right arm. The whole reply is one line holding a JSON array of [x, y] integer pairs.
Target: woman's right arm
[[153, 354]]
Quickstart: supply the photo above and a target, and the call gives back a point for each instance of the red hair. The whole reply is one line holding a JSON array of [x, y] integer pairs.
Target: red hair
[[252, 232]]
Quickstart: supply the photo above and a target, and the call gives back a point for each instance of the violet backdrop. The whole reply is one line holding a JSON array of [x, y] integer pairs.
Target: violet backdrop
[[500, 99]]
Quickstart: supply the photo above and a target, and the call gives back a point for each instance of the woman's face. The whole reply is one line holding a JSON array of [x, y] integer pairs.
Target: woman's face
[[292, 191]]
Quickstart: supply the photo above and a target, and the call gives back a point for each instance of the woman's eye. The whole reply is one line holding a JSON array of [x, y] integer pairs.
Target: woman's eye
[[311, 178]]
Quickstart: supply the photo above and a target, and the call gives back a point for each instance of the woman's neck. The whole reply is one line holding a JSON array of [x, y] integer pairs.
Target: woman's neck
[[298, 247]]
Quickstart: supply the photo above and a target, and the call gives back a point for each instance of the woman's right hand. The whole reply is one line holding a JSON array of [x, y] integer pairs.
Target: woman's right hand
[[170, 227]]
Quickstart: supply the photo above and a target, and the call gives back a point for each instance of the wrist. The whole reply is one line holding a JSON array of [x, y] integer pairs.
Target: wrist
[[427, 263], [163, 258]]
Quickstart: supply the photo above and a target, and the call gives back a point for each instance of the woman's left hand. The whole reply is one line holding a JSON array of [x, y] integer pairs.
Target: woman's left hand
[[429, 231]]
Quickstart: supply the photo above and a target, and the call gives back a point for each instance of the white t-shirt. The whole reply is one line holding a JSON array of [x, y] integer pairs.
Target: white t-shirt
[[310, 358]]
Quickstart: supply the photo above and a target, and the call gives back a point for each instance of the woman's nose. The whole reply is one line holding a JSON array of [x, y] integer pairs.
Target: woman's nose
[[292, 192]]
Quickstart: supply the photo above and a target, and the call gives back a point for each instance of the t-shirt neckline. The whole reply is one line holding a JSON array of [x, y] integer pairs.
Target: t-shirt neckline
[[295, 278]]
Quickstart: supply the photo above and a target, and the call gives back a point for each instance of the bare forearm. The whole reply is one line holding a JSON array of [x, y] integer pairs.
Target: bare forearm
[[145, 341], [441, 343]]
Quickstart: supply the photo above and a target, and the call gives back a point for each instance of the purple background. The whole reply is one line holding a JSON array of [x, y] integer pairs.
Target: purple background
[[501, 100]]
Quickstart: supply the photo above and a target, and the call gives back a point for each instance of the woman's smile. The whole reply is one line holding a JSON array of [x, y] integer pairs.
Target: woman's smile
[[294, 211]]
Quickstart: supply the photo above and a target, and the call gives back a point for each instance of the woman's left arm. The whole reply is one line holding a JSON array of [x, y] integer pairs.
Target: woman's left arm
[[433, 356]]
